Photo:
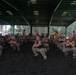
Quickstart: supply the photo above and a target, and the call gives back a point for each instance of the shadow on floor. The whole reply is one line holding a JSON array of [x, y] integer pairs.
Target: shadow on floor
[[23, 63]]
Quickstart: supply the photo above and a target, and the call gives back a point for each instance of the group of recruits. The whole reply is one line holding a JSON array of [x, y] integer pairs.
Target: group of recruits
[[41, 43]]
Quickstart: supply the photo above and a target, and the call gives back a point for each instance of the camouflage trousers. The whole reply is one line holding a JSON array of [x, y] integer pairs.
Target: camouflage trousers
[[66, 50], [42, 51]]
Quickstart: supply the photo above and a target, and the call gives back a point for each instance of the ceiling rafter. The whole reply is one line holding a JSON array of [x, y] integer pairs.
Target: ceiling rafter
[[13, 5]]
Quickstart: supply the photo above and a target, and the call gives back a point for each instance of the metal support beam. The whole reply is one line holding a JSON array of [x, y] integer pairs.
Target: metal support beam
[[58, 5], [54, 12], [65, 31], [31, 30], [71, 21], [13, 28], [4, 21], [48, 29], [51, 19], [13, 5]]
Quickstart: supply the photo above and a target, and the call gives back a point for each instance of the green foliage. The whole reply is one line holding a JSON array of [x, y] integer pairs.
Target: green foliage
[[16, 30], [10, 30]]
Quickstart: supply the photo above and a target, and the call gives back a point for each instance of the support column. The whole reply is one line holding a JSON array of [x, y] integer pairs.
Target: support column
[[30, 29], [65, 31], [48, 29], [13, 28]]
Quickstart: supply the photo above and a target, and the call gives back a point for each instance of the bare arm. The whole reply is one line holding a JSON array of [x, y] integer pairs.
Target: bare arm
[[73, 44], [36, 45], [68, 43]]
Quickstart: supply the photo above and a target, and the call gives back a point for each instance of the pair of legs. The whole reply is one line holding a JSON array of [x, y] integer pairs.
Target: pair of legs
[[60, 45], [42, 51], [66, 50], [1, 48], [46, 45], [55, 41]]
